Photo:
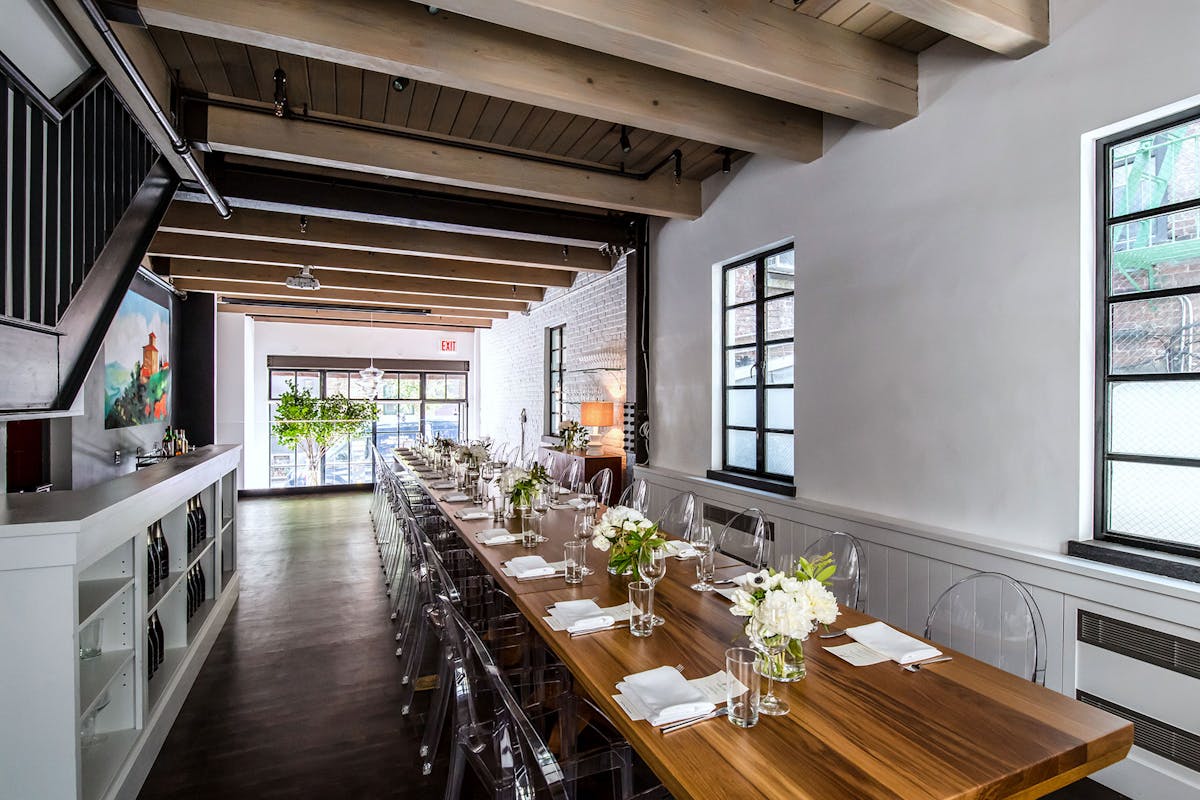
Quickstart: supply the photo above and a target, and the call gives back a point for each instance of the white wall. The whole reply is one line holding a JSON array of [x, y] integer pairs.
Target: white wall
[[243, 346], [940, 281], [512, 359]]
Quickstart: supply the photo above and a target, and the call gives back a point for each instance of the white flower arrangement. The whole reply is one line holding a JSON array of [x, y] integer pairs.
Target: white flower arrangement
[[626, 532], [795, 603], [475, 452]]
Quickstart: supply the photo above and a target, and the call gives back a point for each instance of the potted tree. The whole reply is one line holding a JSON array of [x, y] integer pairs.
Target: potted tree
[[315, 425]]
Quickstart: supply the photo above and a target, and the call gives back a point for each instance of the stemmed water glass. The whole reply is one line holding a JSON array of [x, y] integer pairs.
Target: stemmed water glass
[[765, 637], [702, 543], [652, 566], [583, 532]]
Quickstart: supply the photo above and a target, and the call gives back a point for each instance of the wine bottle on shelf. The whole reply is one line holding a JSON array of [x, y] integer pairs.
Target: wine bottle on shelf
[[164, 554], [192, 536], [151, 654], [201, 583], [191, 595], [152, 563], [201, 518], [160, 640], [181, 445]]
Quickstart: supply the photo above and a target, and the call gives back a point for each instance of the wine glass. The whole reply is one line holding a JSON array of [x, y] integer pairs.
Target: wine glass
[[702, 543], [583, 531], [652, 566], [765, 636]]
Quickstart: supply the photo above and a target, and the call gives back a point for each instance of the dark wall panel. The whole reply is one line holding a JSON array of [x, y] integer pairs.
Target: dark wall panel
[[195, 398]]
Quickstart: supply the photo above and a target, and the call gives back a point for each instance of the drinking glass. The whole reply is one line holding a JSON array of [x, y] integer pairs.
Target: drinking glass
[[539, 500], [652, 566], [764, 635], [497, 509], [702, 543], [583, 532], [641, 609], [575, 561], [743, 699], [87, 731], [530, 530], [89, 640]]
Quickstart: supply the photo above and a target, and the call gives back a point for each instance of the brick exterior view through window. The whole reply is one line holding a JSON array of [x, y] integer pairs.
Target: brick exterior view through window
[[1148, 364], [758, 317]]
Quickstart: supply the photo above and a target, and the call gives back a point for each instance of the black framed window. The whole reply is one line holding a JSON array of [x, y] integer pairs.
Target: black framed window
[[410, 403], [555, 373], [757, 345], [1148, 336]]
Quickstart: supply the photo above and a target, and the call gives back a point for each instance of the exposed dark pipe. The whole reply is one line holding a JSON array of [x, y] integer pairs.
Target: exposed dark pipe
[[478, 147], [178, 144]]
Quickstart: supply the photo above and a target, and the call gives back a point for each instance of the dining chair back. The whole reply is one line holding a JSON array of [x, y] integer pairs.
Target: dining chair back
[[601, 485], [679, 517], [636, 496], [745, 538], [849, 557], [993, 618], [573, 478]]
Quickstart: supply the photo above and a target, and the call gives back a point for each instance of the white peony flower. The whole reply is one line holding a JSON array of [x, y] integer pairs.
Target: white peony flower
[[790, 584], [743, 603], [821, 600], [601, 542]]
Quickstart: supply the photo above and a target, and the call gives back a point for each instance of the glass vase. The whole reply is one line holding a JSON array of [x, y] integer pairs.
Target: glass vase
[[787, 666], [619, 562]]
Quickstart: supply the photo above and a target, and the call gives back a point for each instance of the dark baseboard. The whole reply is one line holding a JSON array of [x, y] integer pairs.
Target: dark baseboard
[[336, 488]]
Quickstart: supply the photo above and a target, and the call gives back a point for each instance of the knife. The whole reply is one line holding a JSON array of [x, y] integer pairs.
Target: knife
[[720, 712], [612, 627]]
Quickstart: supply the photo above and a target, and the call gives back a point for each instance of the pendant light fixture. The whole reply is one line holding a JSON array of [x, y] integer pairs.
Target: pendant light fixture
[[371, 374]]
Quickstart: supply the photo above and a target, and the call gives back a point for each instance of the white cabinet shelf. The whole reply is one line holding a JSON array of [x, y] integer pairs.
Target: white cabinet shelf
[[94, 597], [95, 675], [101, 587]]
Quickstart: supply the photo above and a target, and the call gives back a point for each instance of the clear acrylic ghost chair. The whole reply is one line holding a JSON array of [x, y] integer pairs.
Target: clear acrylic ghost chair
[[636, 496], [573, 478], [851, 561], [501, 721], [601, 485], [993, 618], [679, 517], [752, 547]]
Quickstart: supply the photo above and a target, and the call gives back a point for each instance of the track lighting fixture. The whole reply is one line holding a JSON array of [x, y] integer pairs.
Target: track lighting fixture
[[303, 224], [625, 145], [305, 281], [726, 161], [399, 83]]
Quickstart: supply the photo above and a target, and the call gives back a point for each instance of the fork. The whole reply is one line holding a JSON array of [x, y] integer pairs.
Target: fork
[[917, 666]]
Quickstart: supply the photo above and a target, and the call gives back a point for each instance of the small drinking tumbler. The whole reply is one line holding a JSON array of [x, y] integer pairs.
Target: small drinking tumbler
[[706, 567], [743, 686], [530, 531], [575, 558], [89, 639], [641, 608]]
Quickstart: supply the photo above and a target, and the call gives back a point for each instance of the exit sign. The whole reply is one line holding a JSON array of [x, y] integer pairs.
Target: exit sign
[[449, 346]]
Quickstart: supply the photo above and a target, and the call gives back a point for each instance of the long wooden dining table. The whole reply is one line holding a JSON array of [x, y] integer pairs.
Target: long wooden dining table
[[960, 729]]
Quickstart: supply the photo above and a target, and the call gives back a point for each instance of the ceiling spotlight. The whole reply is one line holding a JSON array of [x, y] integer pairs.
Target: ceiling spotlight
[[432, 9], [399, 83], [281, 101], [726, 161], [625, 146], [304, 280]]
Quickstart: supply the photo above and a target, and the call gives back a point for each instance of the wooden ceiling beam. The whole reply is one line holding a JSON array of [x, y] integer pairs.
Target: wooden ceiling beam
[[433, 289], [358, 297], [398, 38], [254, 133], [413, 326], [1012, 28], [359, 261], [349, 316], [751, 45], [273, 274], [266, 226]]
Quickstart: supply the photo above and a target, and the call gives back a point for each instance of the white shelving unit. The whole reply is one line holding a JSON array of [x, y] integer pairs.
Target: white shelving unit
[[72, 560]]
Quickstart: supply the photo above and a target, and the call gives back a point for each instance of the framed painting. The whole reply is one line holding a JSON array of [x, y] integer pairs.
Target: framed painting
[[137, 364]]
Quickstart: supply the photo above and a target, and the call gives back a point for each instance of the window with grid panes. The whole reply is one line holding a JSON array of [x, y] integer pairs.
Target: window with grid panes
[[410, 403], [1148, 353], [555, 373], [757, 410]]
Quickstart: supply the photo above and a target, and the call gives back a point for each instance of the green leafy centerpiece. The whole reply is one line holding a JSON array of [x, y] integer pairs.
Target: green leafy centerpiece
[[624, 533]]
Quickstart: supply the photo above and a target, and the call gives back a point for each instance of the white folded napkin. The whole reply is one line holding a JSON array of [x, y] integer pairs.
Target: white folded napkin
[[575, 502], [442, 485], [495, 538], [562, 506], [470, 515], [524, 567], [572, 611], [667, 695], [680, 549], [899, 647], [456, 497], [592, 624], [563, 490]]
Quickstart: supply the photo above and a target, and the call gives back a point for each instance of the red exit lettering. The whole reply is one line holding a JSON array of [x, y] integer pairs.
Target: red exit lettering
[[449, 346]]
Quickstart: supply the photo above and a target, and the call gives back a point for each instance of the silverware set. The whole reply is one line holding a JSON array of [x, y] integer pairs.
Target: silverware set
[[675, 726], [916, 666]]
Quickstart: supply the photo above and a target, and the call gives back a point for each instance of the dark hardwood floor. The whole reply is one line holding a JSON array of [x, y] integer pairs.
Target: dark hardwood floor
[[298, 698]]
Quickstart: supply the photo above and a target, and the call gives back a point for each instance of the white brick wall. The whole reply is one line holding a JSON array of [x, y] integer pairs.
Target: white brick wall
[[512, 358]]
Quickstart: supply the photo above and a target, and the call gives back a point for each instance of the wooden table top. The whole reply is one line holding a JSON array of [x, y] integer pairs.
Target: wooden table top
[[961, 729]]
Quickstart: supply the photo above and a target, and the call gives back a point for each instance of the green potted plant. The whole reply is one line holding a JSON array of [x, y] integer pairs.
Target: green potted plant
[[314, 425]]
